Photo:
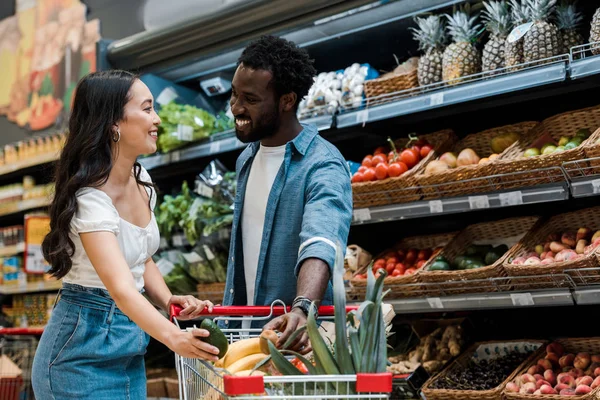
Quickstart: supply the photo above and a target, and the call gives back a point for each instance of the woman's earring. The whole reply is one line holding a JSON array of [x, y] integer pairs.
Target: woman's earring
[[116, 137]]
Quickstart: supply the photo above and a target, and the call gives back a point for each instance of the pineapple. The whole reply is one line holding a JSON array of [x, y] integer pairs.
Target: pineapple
[[595, 32], [568, 21], [497, 20], [431, 36], [513, 52], [542, 40], [461, 58]]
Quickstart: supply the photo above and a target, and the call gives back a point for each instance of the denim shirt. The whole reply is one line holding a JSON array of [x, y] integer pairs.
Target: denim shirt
[[308, 211]]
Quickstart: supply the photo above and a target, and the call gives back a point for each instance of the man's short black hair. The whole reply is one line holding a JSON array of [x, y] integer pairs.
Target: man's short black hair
[[291, 66]]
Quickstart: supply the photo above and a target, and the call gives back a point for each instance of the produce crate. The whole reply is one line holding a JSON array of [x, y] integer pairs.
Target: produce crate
[[405, 285], [458, 181], [393, 82], [211, 291], [483, 350], [566, 124], [574, 346], [589, 217], [402, 188], [507, 231]]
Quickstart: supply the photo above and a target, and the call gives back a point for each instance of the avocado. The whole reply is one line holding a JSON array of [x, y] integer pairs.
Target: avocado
[[491, 257], [216, 337]]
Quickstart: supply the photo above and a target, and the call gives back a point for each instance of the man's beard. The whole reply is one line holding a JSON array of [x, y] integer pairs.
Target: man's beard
[[266, 127]]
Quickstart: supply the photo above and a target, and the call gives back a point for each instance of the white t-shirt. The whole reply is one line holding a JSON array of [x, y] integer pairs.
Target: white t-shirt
[[263, 171], [96, 212]]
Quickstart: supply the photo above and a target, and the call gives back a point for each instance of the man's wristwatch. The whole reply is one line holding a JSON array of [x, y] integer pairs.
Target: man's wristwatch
[[305, 304]]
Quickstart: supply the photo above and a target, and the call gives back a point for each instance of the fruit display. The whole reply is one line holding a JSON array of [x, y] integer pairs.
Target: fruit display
[[542, 40], [498, 22], [485, 368], [513, 51], [401, 262], [547, 145], [391, 162], [475, 256], [432, 37], [433, 351], [561, 247], [461, 58], [559, 372], [568, 20]]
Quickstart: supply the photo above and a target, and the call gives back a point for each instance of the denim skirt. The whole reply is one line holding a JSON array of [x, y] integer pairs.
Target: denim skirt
[[89, 350]]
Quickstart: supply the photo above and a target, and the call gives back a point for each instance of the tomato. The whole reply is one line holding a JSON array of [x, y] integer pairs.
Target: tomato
[[421, 263], [401, 254], [397, 273], [416, 149], [381, 171], [409, 158], [379, 261], [392, 259], [367, 161], [390, 268], [400, 267], [411, 256], [410, 271], [369, 175], [425, 150], [397, 169], [423, 254], [362, 169], [379, 150], [379, 158], [358, 177]]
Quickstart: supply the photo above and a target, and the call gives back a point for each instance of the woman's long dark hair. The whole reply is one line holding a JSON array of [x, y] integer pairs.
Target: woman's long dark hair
[[87, 157]]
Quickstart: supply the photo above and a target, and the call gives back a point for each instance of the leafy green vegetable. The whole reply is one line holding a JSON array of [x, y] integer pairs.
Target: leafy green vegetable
[[172, 114]]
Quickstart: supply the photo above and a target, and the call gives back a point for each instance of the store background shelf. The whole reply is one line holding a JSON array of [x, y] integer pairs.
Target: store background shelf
[[581, 63], [8, 251], [33, 287], [24, 205]]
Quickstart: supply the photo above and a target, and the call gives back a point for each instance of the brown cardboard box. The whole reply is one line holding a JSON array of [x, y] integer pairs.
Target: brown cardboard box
[[156, 387]]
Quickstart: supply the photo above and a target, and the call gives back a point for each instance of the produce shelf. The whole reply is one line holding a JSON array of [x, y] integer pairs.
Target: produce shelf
[[30, 287], [8, 251], [488, 199], [24, 205], [582, 63], [482, 85], [584, 176], [32, 162]]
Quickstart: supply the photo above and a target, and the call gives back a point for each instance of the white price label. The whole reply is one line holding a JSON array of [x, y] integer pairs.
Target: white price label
[[519, 32], [436, 99], [166, 96], [435, 302], [511, 198], [436, 206], [175, 156], [185, 133], [596, 186], [204, 191], [178, 240], [362, 215], [479, 202], [215, 147], [192, 257], [209, 254], [522, 299], [362, 116]]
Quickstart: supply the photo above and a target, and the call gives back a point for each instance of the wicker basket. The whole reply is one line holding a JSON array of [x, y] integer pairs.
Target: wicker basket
[[457, 181], [463, 359], [401, 189], [554, 273], [211, 291], [508, 231], [405, 286], [592, 150], [402, 78], [566, 124], [573, 346]]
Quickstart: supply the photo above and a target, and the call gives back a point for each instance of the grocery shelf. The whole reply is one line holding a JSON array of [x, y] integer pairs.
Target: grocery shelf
[[582, 62], [33, 287], [32, 162], [445, 204], [584, 176], [7, 251], [323, 122], [23, 205], [482, 85]]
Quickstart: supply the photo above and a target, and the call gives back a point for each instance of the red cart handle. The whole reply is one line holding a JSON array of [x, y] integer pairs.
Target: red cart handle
[[252, 311], [21, 331]]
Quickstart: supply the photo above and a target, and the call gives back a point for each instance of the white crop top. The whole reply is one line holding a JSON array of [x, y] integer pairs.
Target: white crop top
[[95, 213]]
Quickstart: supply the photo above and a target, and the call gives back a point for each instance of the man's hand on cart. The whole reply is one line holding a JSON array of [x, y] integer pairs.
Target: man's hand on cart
[[288, 324], [192, 307]]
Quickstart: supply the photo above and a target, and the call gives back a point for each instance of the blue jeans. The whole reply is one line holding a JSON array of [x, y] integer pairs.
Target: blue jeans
[[89, 350]]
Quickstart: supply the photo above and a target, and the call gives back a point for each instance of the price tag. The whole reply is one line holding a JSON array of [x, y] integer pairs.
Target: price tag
[[178, 240], [522, 299], [596, 186], [362, 116], [215, 147], [435, 302], [519, 32], [362, 215], [166, 96], [175, 156], [203, 190], [479, 202], [192, 257], [185, 133], [436, 99], [436, 206], [511, 198], [209, 254]]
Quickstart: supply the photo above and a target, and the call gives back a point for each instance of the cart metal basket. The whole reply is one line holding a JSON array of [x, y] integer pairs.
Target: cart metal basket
[[17, 348]]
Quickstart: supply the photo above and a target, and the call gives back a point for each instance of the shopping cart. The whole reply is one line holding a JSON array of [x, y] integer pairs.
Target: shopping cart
[[199, 379], [17, 348]]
